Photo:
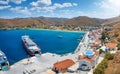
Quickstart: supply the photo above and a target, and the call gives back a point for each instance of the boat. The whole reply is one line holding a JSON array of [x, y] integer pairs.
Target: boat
[[59, 36], [4, 64], [30, 46]]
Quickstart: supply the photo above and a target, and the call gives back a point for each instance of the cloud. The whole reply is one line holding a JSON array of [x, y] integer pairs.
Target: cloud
[[57, 5], [4, 7], [21, 10], [4, 1], [39, 7], [51, 8], [13, 1], [110, 8], [41, 3], [75, 4], [17, 1], [47, 6]]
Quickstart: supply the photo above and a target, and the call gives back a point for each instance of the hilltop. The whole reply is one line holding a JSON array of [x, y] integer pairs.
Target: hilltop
[[115, 22], [46, 22], [84, 21]]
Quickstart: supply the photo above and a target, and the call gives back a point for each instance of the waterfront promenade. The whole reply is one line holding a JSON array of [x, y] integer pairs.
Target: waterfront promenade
[[83, 45]]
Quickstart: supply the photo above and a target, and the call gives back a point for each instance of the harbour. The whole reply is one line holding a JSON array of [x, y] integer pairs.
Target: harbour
[[41, 38], [44, 60]]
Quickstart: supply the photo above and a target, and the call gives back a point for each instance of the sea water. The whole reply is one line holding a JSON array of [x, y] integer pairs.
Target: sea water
[[52, 41]]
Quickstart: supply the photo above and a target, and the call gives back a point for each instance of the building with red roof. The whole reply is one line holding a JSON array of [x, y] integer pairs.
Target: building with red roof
[[111, 46], [62, 66]]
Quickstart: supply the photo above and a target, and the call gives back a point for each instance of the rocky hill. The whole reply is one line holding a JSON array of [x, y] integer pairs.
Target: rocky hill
[[44, 22], [115, 22], [40, 22], [20, 22], [84, 21]]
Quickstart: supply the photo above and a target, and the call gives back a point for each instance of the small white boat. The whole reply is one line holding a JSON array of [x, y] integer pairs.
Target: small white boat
[[60, 36]]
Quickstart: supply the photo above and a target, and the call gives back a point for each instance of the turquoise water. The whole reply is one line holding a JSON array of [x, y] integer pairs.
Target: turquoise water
[[59, 42]]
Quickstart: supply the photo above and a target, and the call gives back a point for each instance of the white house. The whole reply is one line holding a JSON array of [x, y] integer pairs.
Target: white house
[[88, 59]]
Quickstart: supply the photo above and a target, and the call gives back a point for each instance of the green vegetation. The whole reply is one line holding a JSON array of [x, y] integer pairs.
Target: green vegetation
[[109, 56], [118, 46], [104, 36], [104, 64], [119, 40], [101, 51], [116, 35]]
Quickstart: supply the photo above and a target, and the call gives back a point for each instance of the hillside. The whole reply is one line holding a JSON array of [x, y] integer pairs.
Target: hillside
[[20, 23], [52, 20], [84, 21], [115, 22], [43, 22], [114, 65]]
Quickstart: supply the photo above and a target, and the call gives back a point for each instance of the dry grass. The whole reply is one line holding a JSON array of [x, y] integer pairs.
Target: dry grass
[[114, 65], [23, 22], [113, 68], [115, 40]]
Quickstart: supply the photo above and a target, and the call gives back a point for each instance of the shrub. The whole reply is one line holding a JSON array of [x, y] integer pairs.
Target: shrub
[[101, 51], [104, 64], [119, 40], [109, 56], [118, 46], [98, 71], [116, 35]]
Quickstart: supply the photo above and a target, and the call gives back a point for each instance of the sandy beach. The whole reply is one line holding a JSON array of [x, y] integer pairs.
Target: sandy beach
[[63, 30]]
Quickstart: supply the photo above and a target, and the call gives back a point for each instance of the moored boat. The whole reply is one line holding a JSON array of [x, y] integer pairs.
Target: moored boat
[[4, 64], [60, 36], [30, 46]]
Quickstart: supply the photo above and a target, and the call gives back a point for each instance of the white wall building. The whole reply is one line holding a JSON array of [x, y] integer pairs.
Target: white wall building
[[88, 59]]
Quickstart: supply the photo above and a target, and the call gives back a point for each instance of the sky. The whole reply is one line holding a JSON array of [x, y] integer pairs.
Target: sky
[[59, 8]]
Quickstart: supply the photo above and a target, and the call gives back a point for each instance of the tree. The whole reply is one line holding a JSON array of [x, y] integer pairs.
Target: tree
[[104, 64], [98, 71], [118, 40], [118, 46], [104, 35], [116, 35], [109, 56], [101, 51]]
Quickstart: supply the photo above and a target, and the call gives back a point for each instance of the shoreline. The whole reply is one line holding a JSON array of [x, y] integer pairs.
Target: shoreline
[[62, 30], [62, 55], [81, 42], [44, 60], [52, 30], [70, 53]]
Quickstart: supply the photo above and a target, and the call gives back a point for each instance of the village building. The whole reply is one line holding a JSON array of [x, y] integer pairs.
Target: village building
[[112, 47], [88, 59], [104, 49], [62, 66]]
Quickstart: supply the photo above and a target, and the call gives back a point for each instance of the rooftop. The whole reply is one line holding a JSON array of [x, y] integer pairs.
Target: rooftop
[[82, 57], [62, 65], [89, 52], [111, 45]]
